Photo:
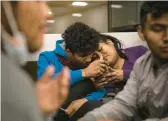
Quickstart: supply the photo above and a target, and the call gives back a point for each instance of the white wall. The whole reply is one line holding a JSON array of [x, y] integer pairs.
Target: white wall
[[96, 18]]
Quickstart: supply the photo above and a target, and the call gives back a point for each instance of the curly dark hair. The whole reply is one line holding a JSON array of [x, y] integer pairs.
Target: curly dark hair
[[81, 39], [156, 8], [117, 45]]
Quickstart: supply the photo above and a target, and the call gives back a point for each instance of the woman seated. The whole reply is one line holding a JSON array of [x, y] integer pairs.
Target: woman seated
[[121, 62]]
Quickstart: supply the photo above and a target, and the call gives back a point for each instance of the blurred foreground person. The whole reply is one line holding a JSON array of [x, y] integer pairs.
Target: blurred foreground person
[[145, 96], [23, 25]]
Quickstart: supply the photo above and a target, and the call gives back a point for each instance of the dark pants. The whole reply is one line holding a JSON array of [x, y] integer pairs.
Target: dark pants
[[88, 106], [78, 91]]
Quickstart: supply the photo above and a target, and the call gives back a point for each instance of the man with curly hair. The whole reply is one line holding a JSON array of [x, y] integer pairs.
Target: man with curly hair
[[79, 43]]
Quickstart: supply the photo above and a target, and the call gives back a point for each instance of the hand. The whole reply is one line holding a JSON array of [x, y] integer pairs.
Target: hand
[[75, 105], [115, 75], [100, 83], [52, 92], [96, 68]]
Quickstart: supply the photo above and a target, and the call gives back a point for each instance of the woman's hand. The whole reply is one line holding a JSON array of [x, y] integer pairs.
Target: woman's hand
[[115, 75], [100, 82], [112, 75]]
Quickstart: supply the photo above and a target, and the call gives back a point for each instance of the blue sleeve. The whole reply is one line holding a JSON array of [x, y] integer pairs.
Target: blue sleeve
[[46, 59], [42, 64], [96, 95], [75, 76]]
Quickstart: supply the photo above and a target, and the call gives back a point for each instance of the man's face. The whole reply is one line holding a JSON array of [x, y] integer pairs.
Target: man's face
[[31, 18], [81, 60], [155, 33]]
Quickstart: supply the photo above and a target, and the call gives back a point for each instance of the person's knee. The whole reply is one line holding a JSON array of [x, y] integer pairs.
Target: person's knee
[[90, 105], [85, 108]]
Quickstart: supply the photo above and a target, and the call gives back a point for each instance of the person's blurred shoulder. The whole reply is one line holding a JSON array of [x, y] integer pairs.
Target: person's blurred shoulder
[[18, 99]]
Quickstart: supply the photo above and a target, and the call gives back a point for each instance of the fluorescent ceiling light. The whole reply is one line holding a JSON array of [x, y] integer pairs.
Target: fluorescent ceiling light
[[76, 15], [79, 3], [50, 21], [116, 6], [50, 12]]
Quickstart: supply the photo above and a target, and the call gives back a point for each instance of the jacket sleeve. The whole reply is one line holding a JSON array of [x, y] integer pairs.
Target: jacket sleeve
[[46, 59], [123, 107], [42, 63], [96, 95]]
